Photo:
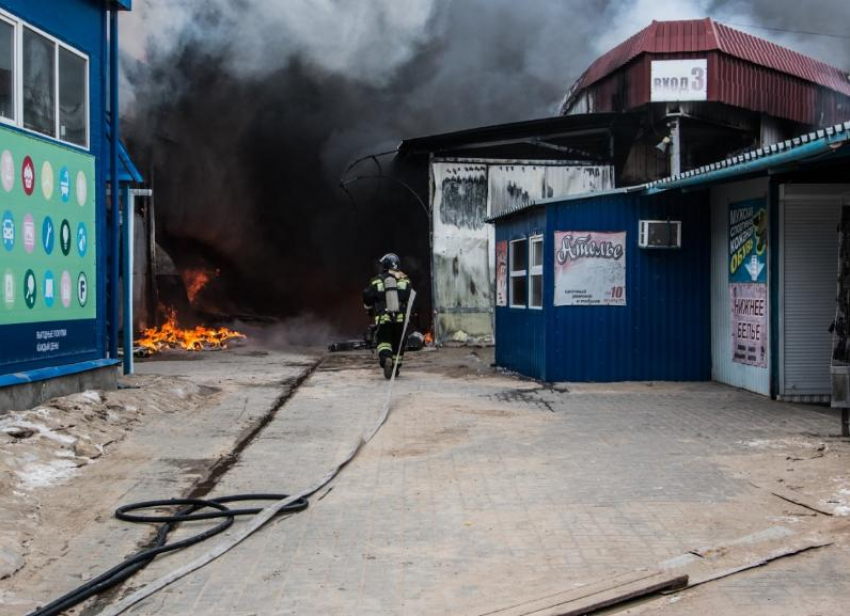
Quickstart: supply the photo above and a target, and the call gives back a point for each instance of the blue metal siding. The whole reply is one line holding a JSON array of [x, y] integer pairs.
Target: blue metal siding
[[80, 24], [521, 332], [663, 333]]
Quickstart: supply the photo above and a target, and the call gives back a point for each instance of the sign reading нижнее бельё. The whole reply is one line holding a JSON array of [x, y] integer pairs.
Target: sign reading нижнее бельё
[[748, 281], [590, 268], [679, 80], [48, 279]]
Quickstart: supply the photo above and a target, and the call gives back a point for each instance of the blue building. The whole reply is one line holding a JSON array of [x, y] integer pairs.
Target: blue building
[[727, 272], [59, 281]]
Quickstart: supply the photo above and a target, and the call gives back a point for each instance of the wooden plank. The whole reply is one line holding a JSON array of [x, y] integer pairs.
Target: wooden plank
[[595, 596], [594, 603], [792, 550]]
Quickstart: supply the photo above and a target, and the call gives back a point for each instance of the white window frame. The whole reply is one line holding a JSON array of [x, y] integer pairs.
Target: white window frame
[[18, 78], [535, 271], [512, 273], [86, 94], [13, 121]]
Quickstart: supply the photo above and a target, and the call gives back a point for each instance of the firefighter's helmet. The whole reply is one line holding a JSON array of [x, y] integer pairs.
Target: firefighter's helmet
[[390, 261]]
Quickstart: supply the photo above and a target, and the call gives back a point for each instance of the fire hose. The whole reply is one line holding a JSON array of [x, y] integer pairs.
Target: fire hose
[[284, 504]]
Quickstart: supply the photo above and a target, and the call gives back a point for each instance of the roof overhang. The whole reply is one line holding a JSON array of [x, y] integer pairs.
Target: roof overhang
[[121, 5], [816, 148], [545, 133]]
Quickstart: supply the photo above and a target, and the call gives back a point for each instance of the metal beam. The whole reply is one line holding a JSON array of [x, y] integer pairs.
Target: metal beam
[[115, 198]]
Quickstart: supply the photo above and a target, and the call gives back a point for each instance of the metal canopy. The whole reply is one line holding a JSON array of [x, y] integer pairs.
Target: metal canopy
[[811, 148], [586, 132]]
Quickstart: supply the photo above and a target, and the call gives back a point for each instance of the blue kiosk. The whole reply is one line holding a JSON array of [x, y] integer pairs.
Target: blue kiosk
[[60, 253]]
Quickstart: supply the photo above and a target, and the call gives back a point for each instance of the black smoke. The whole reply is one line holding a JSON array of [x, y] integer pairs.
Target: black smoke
[[247, 165], [246, 125]]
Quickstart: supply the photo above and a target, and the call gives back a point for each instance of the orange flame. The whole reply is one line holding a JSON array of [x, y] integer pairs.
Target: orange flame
[[196, 279], [170, 336], [429, 338]]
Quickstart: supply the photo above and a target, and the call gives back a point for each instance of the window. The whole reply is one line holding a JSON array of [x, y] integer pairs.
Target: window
[[44, 84], [535, 272], [73, 110], [7, 70], [519, 273], [39, 83]]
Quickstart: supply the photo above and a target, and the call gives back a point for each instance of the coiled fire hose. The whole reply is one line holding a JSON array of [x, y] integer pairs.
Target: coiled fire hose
[[283, 504], [141, 559]]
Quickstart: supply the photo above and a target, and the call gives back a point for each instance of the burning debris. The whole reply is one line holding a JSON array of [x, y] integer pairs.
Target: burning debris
[[171, 336], [196, 279]]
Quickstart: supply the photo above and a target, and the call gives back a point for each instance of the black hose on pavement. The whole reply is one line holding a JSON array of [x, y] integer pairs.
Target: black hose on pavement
[[140, 560]]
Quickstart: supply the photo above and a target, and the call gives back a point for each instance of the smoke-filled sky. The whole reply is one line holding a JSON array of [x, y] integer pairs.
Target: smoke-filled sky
[[256, 106]]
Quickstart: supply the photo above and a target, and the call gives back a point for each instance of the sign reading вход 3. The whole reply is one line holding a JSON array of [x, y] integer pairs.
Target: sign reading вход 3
[[679, 80]]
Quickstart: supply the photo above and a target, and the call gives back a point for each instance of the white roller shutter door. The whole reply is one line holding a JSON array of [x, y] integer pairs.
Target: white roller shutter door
[[809, 265]]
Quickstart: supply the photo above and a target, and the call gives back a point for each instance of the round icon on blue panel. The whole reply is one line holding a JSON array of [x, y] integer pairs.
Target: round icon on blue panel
[[65, 184], [49, 288], [8, 230], [30, 286], [47, 235], [82, 289], [82, 239], [65, 237]]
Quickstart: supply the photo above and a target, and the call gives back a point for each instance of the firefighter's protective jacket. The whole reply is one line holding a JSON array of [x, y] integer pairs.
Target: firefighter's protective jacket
[[386, 296]]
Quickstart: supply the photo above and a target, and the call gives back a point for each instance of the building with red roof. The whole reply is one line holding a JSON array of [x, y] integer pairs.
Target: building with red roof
[[711, 90]]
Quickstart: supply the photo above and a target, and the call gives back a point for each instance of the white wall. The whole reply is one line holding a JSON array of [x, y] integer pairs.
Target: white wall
[[723, 369]]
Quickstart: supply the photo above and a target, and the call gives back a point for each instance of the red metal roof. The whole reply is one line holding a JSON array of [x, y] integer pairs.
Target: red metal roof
[[702, 35]]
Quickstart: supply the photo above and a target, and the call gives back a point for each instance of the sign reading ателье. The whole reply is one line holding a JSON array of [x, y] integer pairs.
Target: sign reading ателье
[[48, 281], [590, 268]]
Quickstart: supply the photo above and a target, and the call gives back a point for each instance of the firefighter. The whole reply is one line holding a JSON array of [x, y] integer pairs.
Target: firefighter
[[386, 300]]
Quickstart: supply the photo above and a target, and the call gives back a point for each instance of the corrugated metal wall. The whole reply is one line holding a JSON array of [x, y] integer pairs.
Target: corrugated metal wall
[[723, 369], [732, 81], [521, 333], [663, 331], [742, 84]]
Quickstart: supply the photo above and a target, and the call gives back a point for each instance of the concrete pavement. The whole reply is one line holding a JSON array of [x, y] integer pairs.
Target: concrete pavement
[[483, 489], [169, 453]]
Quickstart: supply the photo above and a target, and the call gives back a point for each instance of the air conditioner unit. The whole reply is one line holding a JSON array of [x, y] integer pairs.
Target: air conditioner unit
[[660, 234]]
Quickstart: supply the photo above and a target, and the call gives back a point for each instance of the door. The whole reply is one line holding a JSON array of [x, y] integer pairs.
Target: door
[[809, 274]]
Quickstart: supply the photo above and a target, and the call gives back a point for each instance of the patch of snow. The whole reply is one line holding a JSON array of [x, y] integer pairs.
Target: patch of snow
[[42, 475], [92, 396], [46, 432], [782, 443], [840, 502]]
